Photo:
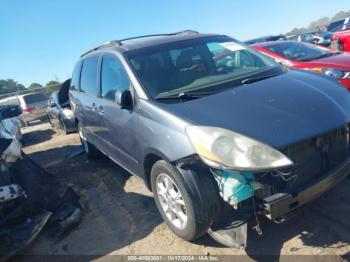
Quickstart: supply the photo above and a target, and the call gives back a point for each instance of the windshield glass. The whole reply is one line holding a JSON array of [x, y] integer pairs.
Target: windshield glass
[[199, 65], [298, 51]]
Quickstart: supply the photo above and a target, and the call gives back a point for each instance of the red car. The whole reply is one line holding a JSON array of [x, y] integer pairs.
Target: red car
[[341, 34], [341, 40], [309, 57]]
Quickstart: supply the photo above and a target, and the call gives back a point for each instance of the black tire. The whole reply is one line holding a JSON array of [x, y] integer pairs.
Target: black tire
[[49, 120], [63, 126], [200, 195], [90, 150], [23, 123]]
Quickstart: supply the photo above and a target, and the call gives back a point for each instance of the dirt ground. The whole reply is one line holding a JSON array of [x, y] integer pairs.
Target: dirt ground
[[120, 216]]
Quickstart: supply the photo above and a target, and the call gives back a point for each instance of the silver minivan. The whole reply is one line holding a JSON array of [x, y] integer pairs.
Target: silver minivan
[[33, 105]]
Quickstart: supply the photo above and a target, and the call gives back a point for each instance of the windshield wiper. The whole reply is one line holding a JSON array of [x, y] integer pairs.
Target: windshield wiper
[[185, 96], [255, 79]]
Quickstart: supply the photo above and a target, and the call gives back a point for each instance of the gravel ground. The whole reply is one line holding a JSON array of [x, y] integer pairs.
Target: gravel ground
[[120, 216]]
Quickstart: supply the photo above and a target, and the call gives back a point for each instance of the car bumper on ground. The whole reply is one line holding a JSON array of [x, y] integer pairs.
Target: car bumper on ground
[[283, 204]]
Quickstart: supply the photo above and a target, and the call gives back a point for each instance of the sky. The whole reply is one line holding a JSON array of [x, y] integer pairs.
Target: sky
[[40, 40]]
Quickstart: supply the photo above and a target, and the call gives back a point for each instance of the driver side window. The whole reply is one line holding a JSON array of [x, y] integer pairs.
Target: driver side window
[[113, 77]]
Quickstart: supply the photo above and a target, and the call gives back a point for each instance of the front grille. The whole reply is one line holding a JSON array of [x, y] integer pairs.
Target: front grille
[[312, 158], [318, 155]]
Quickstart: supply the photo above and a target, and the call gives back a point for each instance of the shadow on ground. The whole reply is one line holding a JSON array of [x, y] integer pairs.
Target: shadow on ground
[[116, 218], [37, 136]]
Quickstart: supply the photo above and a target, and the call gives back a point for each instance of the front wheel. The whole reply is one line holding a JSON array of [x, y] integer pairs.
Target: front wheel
[[90, 150], [188, 215]]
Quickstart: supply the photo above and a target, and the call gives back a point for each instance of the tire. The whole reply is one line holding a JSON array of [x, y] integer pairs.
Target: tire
[[49, 120], [23, 123], [63, 126], [90, 150], [200, 198]]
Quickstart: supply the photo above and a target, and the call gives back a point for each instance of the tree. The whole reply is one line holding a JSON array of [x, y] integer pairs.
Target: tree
[[10, 86], [320, 24], [35, 86], [340, 15], [52, 86]]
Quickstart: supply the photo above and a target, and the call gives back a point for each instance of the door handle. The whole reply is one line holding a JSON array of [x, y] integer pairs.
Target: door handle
[[100, 110]]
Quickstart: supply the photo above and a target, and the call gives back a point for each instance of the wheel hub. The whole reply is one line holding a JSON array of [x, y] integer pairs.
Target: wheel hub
[[171, 201]]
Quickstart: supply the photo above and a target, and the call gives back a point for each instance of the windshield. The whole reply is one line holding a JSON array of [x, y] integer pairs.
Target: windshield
[[200, 65], [298, 51]]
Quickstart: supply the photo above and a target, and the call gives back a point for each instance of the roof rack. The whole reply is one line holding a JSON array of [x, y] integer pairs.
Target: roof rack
[[113, 43], [116, 43], [185, 32]]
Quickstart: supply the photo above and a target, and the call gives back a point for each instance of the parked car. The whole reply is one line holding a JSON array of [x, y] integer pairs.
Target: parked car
[[341, 36], [59, 112], [309, 57], [322, 38], [339, 25], [265, 39], [12, 126], [30, 198], [33, 106], [217, 143], [341, 40]]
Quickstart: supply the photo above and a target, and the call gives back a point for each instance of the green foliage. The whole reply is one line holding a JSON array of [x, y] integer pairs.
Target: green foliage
[[320, 24], [51, 87], [10, 86], [35, 86]]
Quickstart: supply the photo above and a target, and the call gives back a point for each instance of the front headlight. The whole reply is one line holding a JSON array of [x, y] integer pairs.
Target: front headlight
[[336, 73], [226, 149]]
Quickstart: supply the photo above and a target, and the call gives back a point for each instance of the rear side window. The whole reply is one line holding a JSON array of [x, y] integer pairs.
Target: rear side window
[[88, 79], [113, 77], [34, 98], [76, 77]]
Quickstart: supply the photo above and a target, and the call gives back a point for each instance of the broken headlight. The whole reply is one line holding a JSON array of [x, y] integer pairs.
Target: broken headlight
[[225, 149], [332, 72]]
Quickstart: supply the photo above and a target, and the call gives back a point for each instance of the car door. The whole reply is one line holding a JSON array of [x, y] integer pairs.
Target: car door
[[118, 122], [90, 119]]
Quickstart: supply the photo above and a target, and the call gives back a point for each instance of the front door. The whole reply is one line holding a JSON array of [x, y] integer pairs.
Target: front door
[[117, 121]]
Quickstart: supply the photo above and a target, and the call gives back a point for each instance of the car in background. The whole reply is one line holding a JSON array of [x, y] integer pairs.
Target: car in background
[[309, 57], [59, 112], [217, 138], [265, 39], [322, 38], [10, 125], [33, 106], [341, 40], [341, 36]]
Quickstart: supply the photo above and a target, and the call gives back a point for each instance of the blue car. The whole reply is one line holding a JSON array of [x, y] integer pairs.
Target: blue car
[[217, 131]]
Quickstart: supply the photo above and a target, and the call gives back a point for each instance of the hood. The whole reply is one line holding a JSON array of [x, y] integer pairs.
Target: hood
[[278, 111], [338, 61]]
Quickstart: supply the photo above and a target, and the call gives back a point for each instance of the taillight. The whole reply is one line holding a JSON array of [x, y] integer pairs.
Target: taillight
[[29, 109]]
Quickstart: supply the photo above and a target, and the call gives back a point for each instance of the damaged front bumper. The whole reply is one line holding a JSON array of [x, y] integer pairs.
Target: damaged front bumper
[[281, 205]]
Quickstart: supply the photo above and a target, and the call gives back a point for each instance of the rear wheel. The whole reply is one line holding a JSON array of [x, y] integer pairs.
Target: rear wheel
[[187, 211], [90, 150]]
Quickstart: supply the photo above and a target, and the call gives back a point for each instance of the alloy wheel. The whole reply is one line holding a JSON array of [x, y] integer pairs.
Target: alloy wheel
[[171, 201]]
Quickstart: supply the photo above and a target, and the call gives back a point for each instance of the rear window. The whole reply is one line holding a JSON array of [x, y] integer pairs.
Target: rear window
[[34, 98]]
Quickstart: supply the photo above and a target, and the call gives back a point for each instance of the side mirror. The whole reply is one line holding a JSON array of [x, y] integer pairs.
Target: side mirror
[[9, 111], [123, 98], [52, 104]]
